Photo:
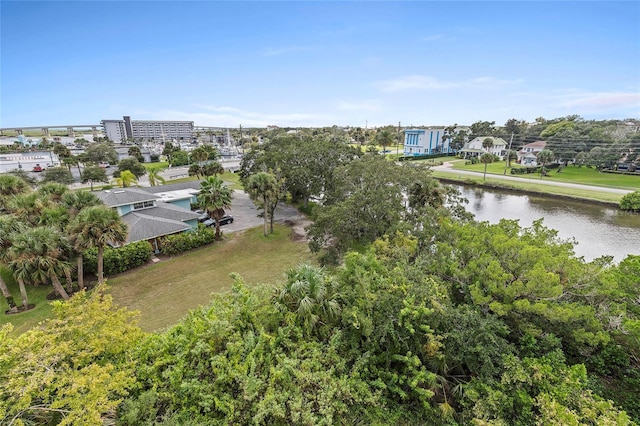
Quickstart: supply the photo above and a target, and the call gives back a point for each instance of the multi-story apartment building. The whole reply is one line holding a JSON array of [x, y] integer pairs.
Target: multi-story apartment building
[[425, 141], [148, 130], [114, 130]]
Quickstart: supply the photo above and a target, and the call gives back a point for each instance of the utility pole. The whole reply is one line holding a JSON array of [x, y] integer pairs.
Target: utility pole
[[508, 154]]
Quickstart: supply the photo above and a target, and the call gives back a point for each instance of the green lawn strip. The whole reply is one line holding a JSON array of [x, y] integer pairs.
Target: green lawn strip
[[156, 166], [570, 174], [37, 296], [233, 179], [533, 187], [164, 292]]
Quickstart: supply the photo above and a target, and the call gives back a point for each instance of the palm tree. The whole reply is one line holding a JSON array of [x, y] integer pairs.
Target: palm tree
[[263, 186], [11, 185], [200, 155], [55, 215], [96, 226], [126, 179], [384, 138], [214, 197], [154, 177], [487, 143], [213, 168], [37, 254], [311, 294], [426, 193], [27, 206], [544, 157], [74, 201], [486, 158], [9, 226]]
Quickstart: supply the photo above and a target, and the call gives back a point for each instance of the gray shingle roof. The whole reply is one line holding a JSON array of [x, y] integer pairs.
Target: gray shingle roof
[[193, 184], [144, 227], [125, 196], [169, 211]]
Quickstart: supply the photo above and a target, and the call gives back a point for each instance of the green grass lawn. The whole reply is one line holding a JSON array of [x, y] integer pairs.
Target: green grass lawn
[[37, 296], [160, 165], [532, 186], [165, 291], [570, 174]]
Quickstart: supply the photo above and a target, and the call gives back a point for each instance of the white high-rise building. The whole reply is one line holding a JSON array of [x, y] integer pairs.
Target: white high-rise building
[[114, 130], [148, 130]]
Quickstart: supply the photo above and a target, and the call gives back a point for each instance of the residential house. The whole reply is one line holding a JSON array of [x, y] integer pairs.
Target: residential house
[[527, 156], [425, 142], [182, 194], [147, 216], [475, 147]]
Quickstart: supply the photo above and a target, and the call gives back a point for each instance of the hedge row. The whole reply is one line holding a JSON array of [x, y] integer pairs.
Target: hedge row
[[425, 156], [120, 259], [621, 172], [179, 243], [535, 169]]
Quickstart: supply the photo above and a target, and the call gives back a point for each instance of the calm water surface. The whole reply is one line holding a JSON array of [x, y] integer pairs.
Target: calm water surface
[[598, 230]]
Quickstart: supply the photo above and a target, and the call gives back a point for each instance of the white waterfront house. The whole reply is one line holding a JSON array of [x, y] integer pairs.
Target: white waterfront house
[[425, 142], [475, 149], [527, 156]]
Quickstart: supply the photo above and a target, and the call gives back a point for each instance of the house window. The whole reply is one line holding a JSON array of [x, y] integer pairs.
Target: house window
[[143, 205]]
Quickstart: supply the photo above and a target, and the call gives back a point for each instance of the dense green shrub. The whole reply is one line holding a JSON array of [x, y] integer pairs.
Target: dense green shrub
[[179, 243], [631, 202], [425, 156], [120, 259], [534, 169]]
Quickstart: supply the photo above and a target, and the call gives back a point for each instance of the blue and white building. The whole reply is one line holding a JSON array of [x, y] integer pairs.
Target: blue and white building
[[425, 142]]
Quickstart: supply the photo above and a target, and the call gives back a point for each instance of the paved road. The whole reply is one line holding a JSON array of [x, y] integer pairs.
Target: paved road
[[447, 168]]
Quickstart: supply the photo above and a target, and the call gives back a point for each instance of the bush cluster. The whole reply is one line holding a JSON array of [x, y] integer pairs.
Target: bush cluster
[[120, 259], [631, 202], [534, 169], [179, 243], [425, 156]]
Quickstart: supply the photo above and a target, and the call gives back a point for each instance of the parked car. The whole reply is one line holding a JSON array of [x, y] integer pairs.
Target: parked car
[[104, 165], [37, 168], [226, 219], [203, 216], [209, 222]]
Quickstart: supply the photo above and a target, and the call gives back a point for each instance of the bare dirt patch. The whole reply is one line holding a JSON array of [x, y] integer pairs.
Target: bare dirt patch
[[298, 225]]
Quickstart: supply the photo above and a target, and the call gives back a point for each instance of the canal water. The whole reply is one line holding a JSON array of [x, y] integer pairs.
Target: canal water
[[598, 230]]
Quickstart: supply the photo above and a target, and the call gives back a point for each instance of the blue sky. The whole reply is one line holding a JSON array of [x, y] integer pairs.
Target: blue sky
[[317, 63]]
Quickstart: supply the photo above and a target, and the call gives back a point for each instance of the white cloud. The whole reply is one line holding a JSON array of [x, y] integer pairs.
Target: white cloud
[[603, 100], [426, 82], [227, 116]]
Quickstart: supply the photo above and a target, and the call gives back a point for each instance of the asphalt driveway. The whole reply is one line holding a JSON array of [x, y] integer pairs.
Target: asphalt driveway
[[245, 213]]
